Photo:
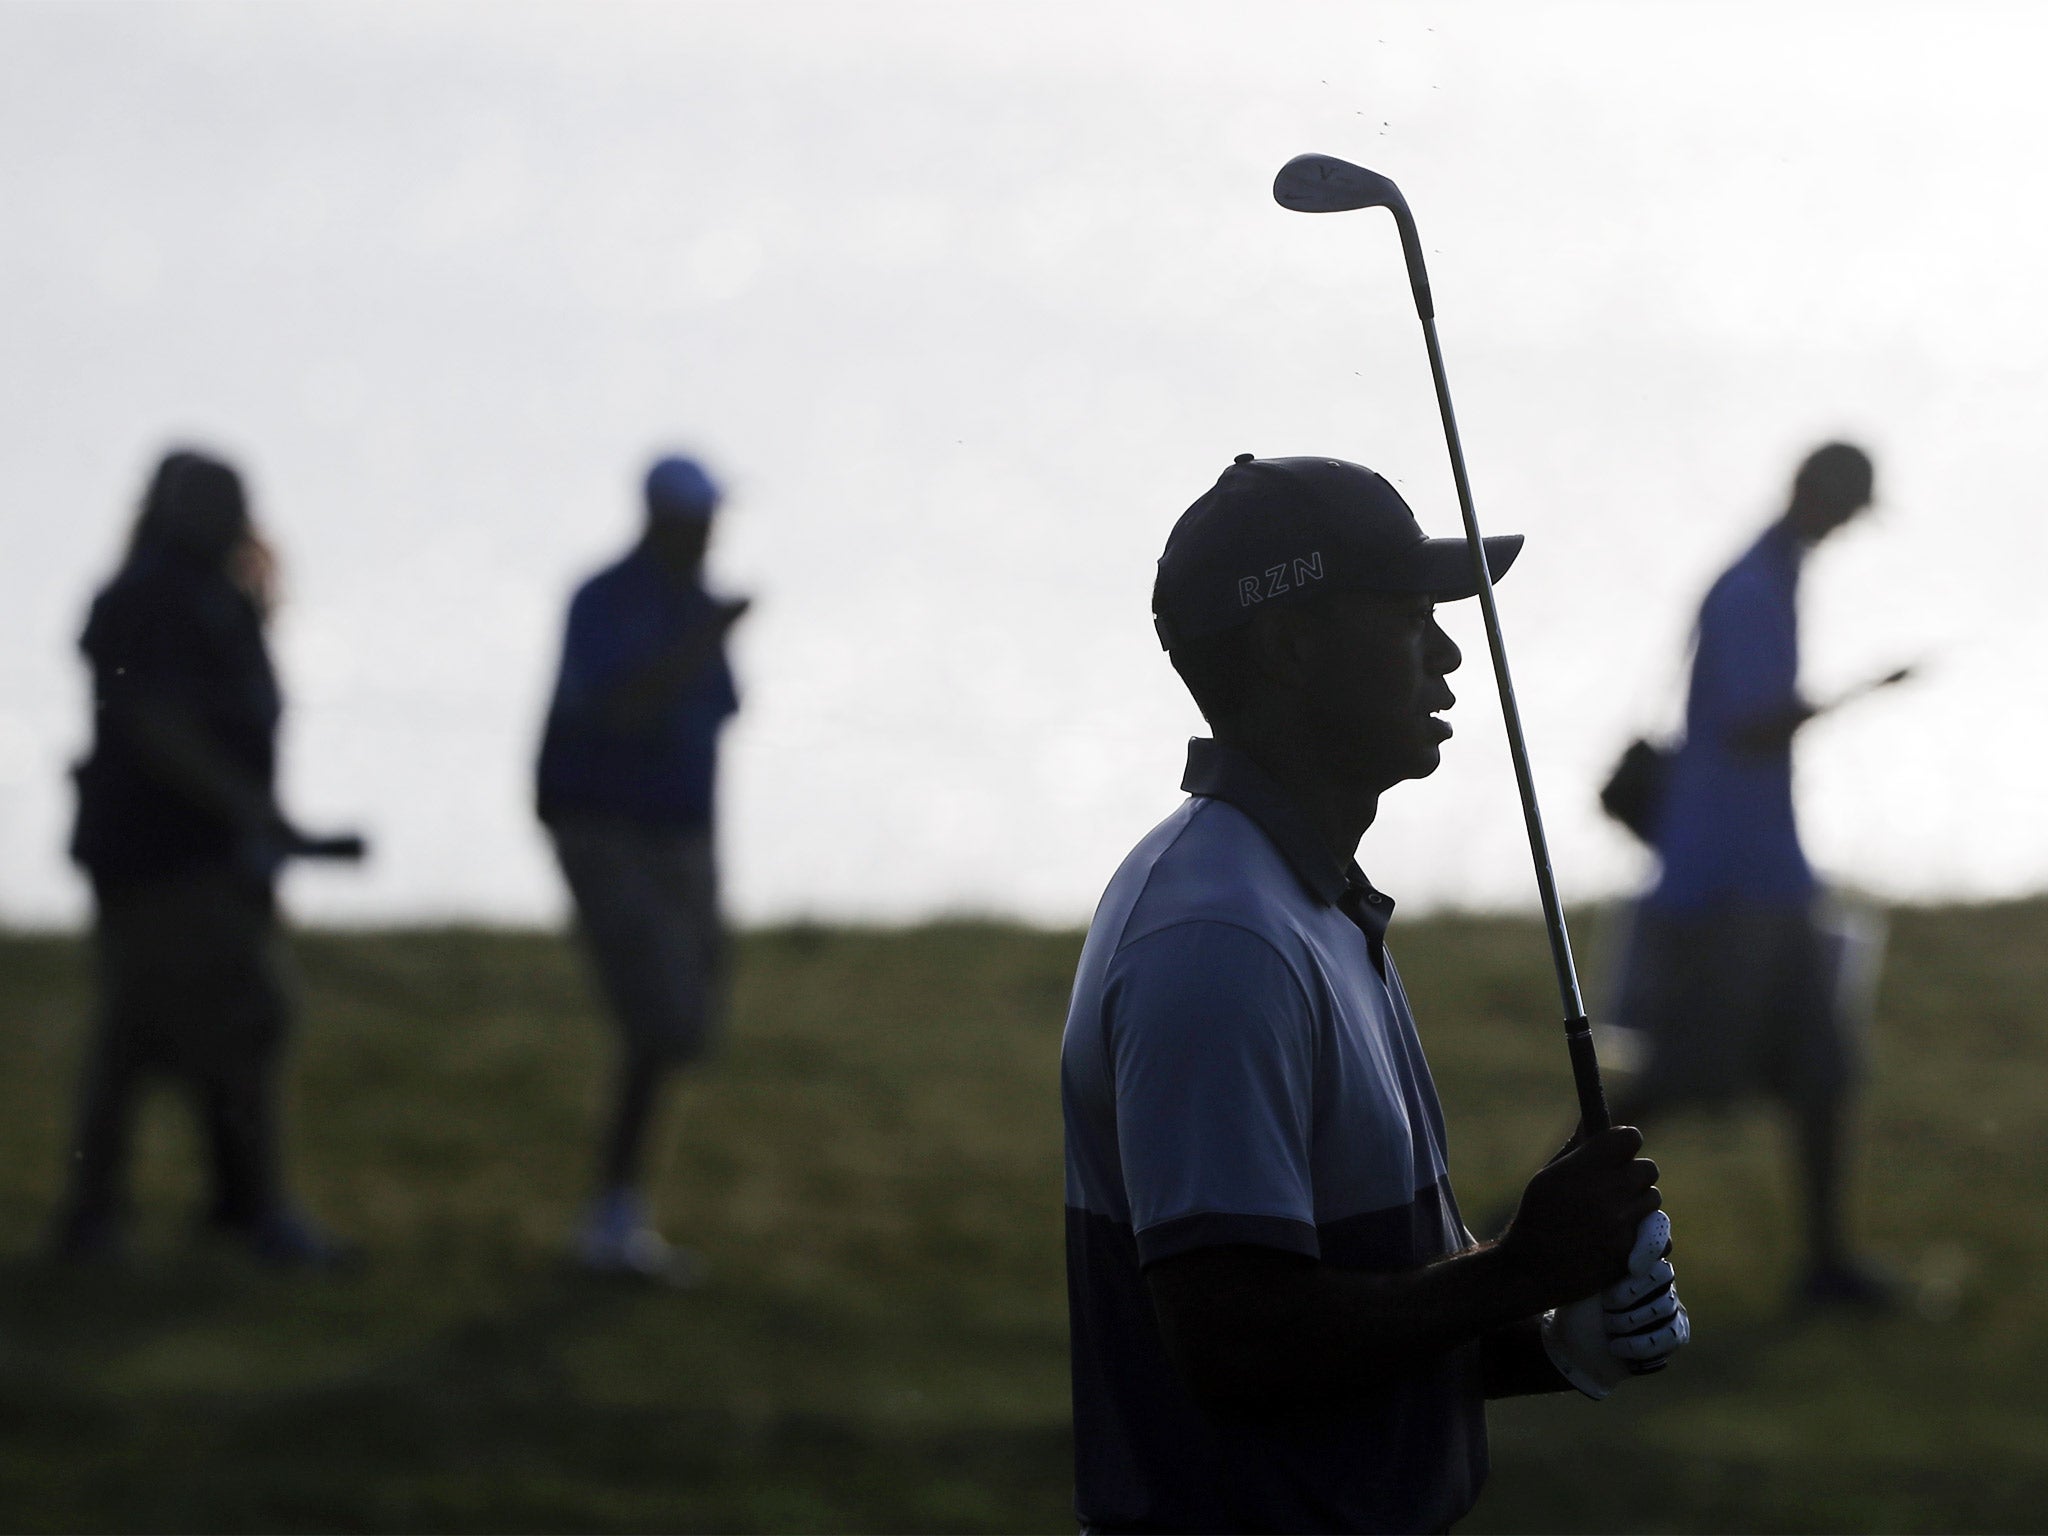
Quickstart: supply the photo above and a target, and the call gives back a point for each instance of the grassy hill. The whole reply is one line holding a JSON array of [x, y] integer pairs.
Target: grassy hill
[[872, 1174]]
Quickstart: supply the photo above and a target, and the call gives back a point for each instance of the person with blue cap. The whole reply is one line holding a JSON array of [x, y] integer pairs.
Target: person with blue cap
[[628, 765], [1279, 1320]]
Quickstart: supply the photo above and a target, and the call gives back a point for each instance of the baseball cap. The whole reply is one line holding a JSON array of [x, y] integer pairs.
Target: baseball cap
[[679, 487], [1275, 532]]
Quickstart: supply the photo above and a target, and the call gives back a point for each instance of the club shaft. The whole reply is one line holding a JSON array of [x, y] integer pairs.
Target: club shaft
[[1578, 1032]]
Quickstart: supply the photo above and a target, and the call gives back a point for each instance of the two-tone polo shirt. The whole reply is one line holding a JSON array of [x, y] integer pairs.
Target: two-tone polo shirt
[[1240, 1065]]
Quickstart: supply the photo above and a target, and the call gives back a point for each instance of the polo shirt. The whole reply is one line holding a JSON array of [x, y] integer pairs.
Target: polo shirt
[[1240, 1066], [1725, 832], [170, 629], [664, 774]]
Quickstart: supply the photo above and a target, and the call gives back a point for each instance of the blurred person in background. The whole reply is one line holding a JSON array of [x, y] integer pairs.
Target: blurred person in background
[[179, 830], [1732, 972], [628, 765]]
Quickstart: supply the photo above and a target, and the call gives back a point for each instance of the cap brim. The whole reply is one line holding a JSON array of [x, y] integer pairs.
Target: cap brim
[[1442, 568]]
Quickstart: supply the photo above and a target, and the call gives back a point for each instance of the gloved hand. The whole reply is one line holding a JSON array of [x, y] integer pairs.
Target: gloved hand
[[1631, 1328]]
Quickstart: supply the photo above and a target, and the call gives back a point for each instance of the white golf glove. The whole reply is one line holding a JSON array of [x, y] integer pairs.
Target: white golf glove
[[1632, 1328]]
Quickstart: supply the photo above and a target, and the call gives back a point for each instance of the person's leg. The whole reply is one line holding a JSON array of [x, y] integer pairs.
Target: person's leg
[[232, 1033], [1836, 1273], [644, 953], [619, 1236], [1817, 1081], [94, 1205], [669, 994], [668, 1000], [237, 1035], [1818, 1132], [637, 1090], [238, 1107], [110, 1084], [612, 875], [237, 1113]]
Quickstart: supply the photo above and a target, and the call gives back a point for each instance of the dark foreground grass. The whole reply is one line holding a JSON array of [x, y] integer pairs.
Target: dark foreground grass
[[872, 1174]]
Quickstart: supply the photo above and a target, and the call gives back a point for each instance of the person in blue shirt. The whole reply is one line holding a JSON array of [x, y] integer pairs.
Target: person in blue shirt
[[626, 788], [1730, 977], [1279, 1321]]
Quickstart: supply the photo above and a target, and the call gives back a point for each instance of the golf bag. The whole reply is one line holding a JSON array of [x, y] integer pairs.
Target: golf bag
[[1634, 791]]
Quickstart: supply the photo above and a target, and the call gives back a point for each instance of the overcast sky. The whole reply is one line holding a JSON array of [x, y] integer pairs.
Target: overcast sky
[[966, 302]]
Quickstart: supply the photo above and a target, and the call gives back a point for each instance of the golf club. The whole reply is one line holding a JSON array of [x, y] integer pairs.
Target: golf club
[[1325, 184], [347, 847]]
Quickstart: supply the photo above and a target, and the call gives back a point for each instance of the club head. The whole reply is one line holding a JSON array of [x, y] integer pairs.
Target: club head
[[1325, 184]]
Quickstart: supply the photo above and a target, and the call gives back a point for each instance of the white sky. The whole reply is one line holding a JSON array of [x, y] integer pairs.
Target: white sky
[[968, 301]]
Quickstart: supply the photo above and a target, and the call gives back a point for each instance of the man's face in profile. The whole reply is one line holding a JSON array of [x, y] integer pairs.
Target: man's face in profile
[[1372, 677]]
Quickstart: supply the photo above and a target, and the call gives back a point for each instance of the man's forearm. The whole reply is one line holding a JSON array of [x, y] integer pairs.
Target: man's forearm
[[1772, 732], [637, 701], [1255, 1329], [1259, 1330]]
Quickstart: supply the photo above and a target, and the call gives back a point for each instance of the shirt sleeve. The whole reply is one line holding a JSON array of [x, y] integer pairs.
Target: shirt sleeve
[[1212, 1052]]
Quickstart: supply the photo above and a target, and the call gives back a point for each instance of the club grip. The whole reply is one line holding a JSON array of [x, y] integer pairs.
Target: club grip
[[1593, 1115], [345, 846]]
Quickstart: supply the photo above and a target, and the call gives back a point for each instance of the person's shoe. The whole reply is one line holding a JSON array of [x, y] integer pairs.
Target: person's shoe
[[287, 1239], [619, 1240], [1854, 1284]]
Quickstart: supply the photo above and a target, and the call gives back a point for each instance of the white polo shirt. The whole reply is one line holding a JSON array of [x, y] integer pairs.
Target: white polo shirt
[[1240, 1066]]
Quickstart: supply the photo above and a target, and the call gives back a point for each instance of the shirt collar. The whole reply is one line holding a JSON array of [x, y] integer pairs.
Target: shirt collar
[[1224, 773]]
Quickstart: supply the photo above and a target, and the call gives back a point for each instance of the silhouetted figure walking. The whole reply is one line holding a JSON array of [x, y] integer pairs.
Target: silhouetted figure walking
[[627, 770], [179, 830], [1730, 976]]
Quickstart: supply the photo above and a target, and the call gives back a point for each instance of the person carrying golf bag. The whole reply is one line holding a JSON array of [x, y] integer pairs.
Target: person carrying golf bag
[[1730, 975], [1279, 1320]]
